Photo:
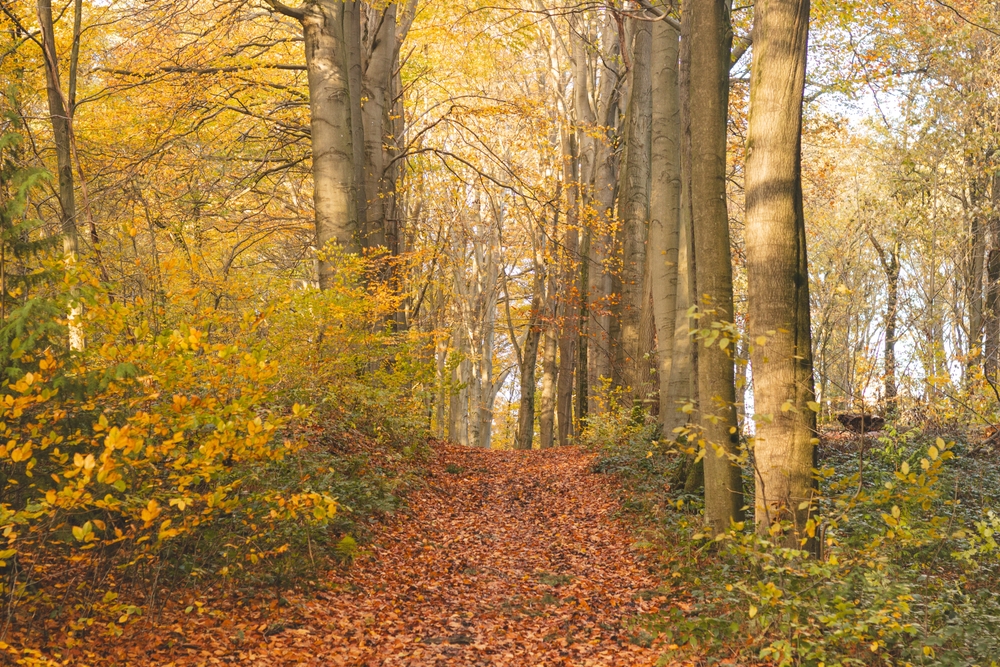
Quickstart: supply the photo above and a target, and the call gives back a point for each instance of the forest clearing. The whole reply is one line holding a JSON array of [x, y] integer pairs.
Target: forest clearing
[[540, 332]]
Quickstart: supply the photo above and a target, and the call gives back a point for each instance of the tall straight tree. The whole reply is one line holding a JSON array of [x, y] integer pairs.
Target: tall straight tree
[[634, 213], [664, 208], [60, 114], [334, 187], [711, 39], [777, 272]]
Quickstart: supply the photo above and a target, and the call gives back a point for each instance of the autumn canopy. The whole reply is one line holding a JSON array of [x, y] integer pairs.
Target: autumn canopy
[[290, 292]]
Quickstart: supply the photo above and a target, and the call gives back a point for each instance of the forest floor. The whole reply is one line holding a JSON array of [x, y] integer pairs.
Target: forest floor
[[502, 558]]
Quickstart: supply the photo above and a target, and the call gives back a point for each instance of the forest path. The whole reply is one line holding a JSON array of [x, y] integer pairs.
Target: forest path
[[503, 558]]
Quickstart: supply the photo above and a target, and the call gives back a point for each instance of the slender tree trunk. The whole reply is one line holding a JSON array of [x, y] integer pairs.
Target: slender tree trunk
[[683, 368], [442, 362], [529, 358], [569, 331], [330, 106], [599, 356], [634, 209], [974, 277], [711, 41], [664, 205], [375, 105], [586, 147], [458, 412], [777, 272], [891, 310], [582, 388], [550, 372], [74, 55], [353, 48], [992, 318], [61, 134]]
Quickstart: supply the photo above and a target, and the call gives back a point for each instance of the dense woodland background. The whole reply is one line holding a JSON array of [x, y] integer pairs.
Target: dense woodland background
[[254, 254]]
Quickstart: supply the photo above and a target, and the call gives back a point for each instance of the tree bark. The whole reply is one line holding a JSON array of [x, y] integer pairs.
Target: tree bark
[[683, 368], [60, 118], [586, 152], [547, 407], [889, 259], [599, 356], [353, 49], [458, 409], [569, 330], [634, 209], [330, 106], [992, 317], [711, 41], [375, 105], [664, 206], [777, 272], [974, 275], [529, 358]]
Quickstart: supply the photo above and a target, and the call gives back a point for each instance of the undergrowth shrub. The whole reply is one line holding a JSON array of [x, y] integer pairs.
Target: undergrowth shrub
[[907, 573], [250, 439]]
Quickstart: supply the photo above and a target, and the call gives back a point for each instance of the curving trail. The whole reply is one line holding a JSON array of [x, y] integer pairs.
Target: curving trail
[[506, 558]]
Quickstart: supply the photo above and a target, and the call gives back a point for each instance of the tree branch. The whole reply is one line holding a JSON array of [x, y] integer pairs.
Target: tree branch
[[285, 10]]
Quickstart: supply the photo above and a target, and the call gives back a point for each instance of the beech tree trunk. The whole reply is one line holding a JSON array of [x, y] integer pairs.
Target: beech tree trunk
[[711, 41], [527, 358], [586, 149], [59, 114], [777, 274], [664, 206], [547, 406], [353, 48], [634, 208], [599, 356], [974, 272], [683, 373], [889, 259], [458, 409], [334, 191], [569, 331], [992, 317], [375, 103]]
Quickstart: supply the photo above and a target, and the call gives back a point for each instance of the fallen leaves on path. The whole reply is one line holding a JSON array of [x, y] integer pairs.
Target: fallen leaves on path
[[505, 558]]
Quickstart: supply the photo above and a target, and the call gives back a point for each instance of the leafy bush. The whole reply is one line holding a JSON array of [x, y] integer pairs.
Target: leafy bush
[[907, 574], [254, 444]]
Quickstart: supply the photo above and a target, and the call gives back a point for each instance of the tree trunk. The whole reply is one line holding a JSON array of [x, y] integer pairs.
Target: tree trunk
[[777, 271], [974, 276], [353, 49], [61, 134], [664, 206], [586, 148], [992, 316], [711, 41], [599, 356], [683, 368], [634, 209], [375, 105], [330, 106], [569, 331], [582, 388], [529, 358], [458, 409], [891, 311], [547, 408]]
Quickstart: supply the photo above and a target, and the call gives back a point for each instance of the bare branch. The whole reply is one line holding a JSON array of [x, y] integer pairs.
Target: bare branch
[[285, 10]]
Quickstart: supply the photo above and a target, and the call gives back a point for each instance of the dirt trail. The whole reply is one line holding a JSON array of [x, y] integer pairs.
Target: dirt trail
[[505, 558]]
